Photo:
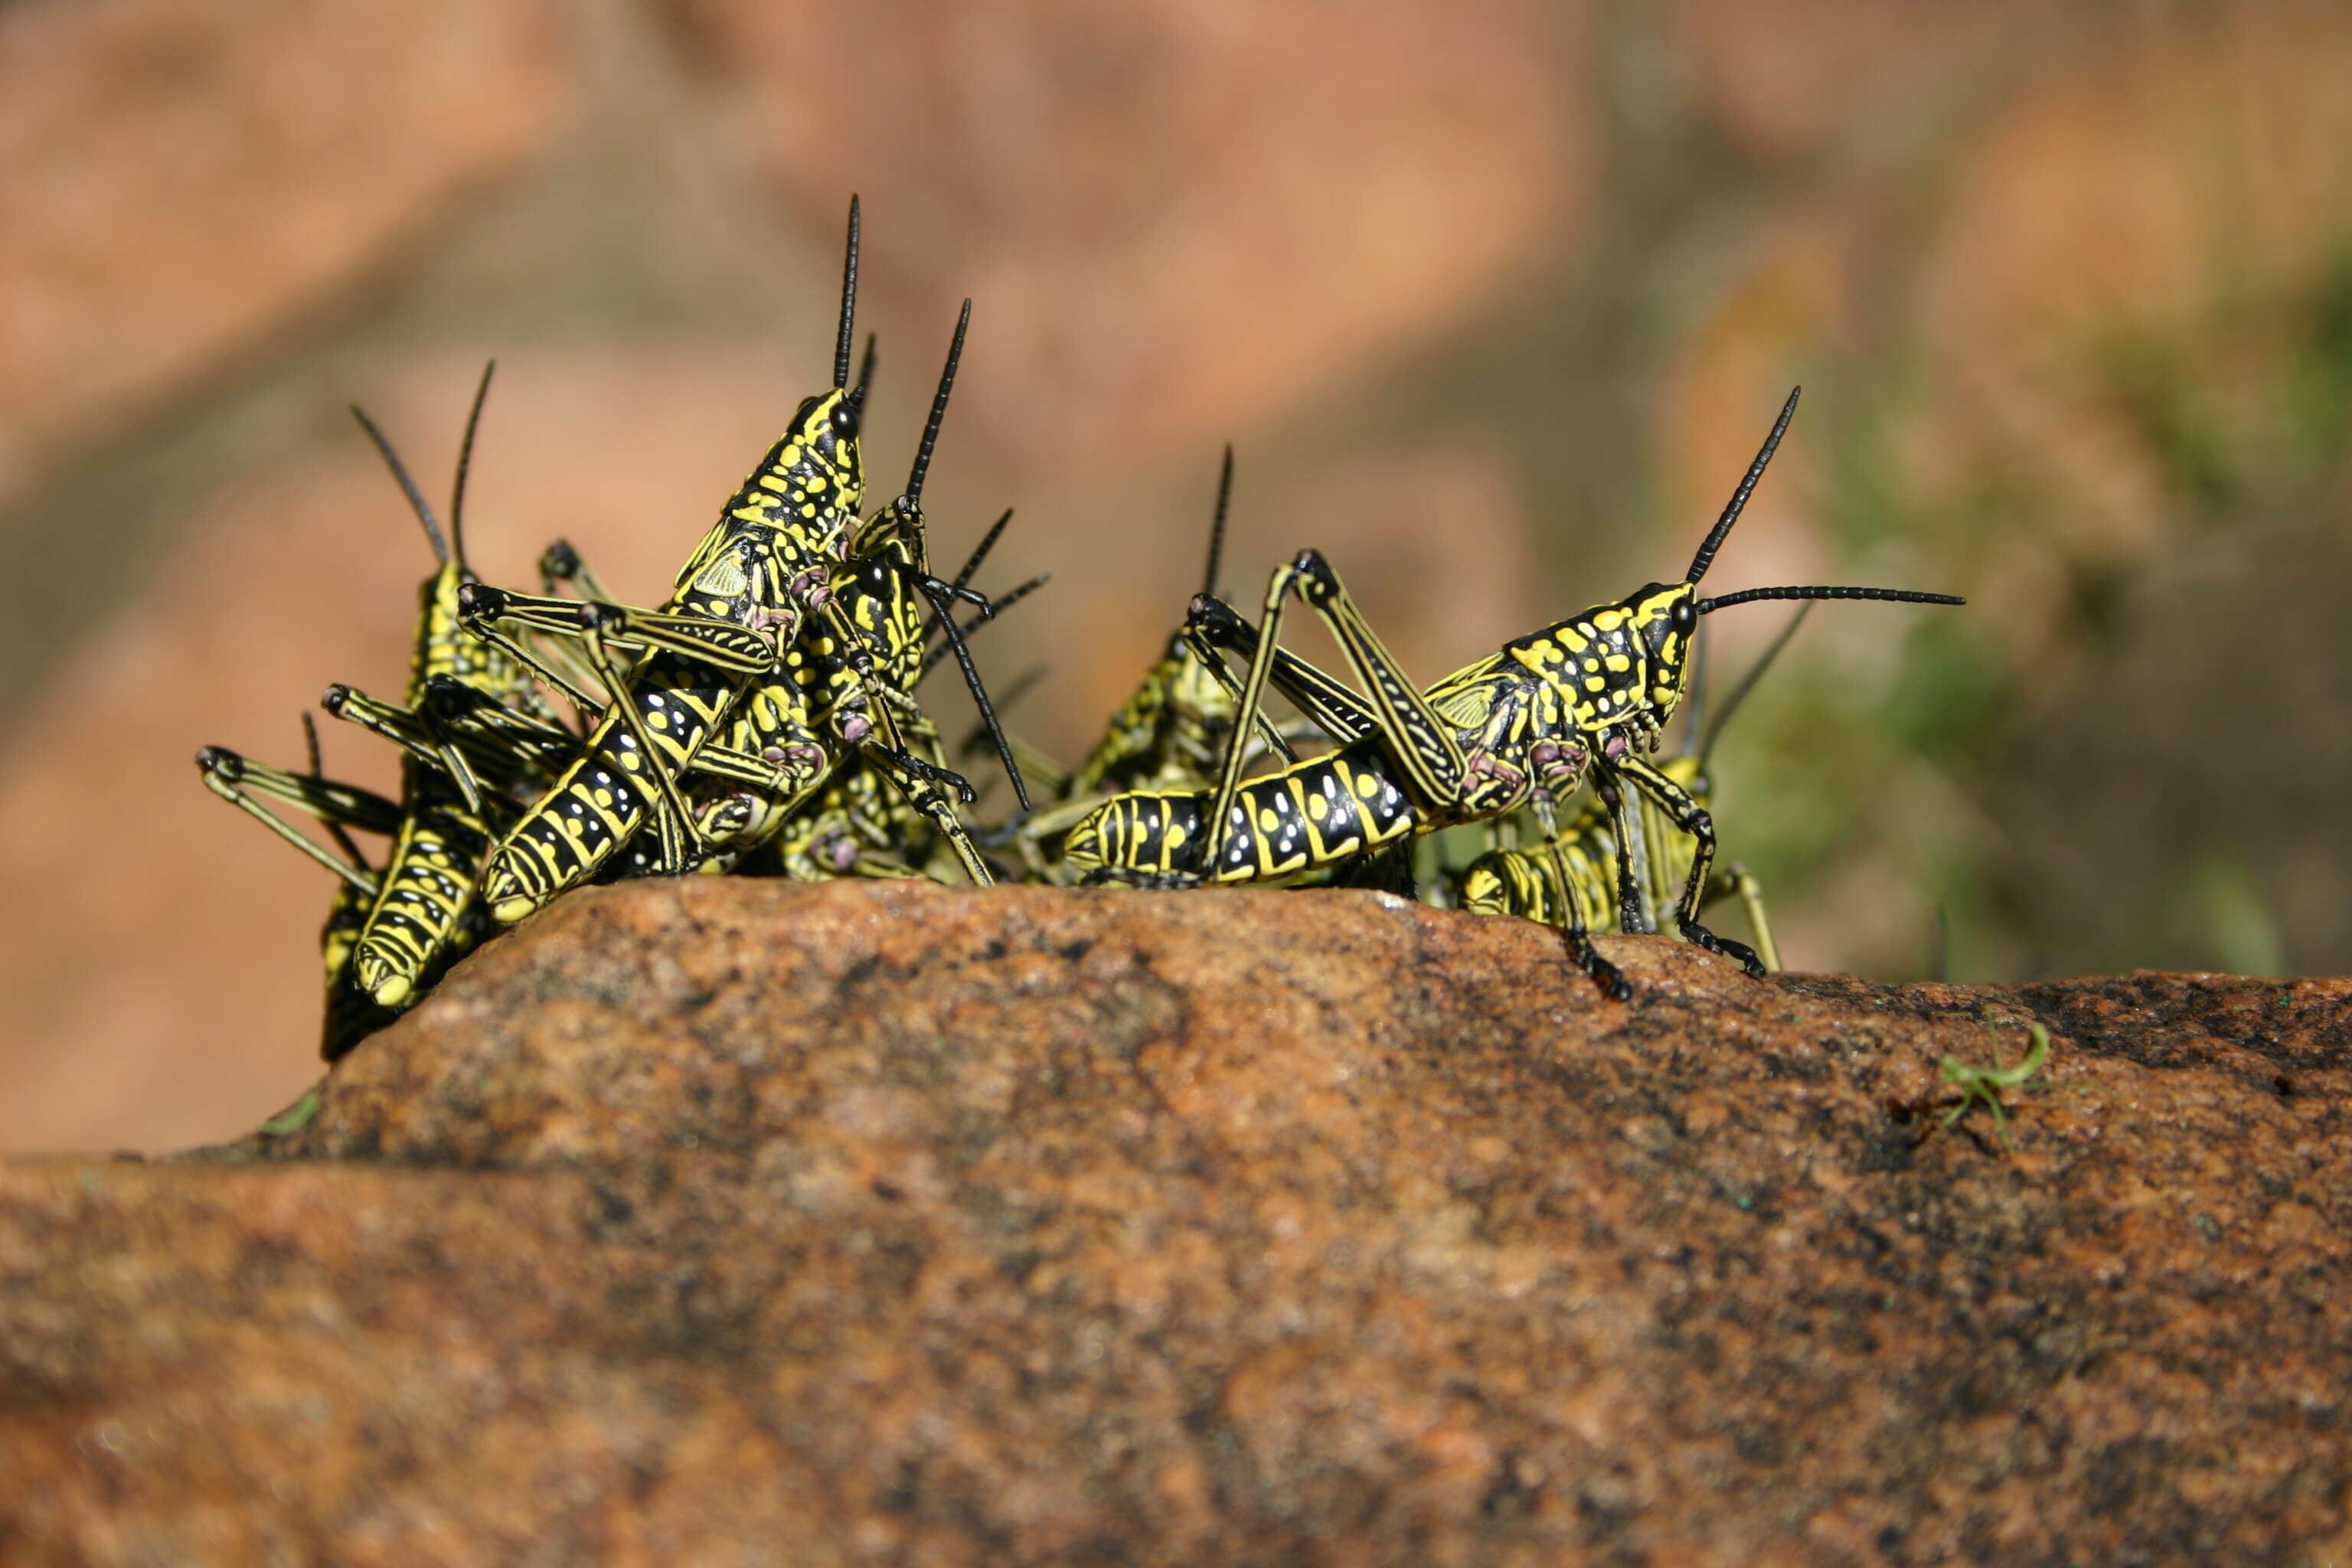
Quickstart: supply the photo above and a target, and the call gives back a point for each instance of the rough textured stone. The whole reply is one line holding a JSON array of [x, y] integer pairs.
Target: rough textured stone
[[710, 1220]]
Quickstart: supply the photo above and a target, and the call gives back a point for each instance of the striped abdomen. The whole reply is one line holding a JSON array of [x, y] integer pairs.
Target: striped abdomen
[[606, 796], [1317, 813], [427, 885]]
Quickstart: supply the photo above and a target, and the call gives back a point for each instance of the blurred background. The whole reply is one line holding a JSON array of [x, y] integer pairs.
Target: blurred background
[[1493, 298]]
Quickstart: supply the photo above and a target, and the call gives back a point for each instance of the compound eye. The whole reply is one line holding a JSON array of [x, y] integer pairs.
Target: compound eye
[[845, 418], [1682, 616]]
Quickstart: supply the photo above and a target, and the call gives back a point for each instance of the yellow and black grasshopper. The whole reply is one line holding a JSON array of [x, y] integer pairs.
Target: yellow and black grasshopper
[[1513, 881], [1522, 727], [886, 604], [736, 613], [859, 824], [1169, 734], [868, 643], [404, 924], [351, 1015]]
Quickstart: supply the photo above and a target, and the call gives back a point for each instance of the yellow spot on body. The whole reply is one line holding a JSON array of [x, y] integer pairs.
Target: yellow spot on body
[[1367, 786], [1577, 642], [1268, 821], [1608, 620], [1619, 662], [1315, 806], [808, 509], [1175, 834], [1594, 683], [395, 991]]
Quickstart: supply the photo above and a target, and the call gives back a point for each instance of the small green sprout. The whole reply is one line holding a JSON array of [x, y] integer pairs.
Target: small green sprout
[[293, 1117], [1986, 1083]]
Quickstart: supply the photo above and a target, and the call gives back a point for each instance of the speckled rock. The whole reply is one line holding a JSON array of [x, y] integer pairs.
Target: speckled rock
[[722, 1221]]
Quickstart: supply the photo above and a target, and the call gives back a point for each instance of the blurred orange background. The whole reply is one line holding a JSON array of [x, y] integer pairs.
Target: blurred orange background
[[1495, 300]]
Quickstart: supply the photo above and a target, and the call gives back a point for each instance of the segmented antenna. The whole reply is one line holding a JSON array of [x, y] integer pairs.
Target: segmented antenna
[[1217, 524], [993, 608], [1893, 595], [848, 304], [1695, 704], [1747, 684], [1706, 556], [938, 409], [1019, 687], [465, 463], [942, 605], [855, 401], [979, 552], [963, 580], [408, 486]]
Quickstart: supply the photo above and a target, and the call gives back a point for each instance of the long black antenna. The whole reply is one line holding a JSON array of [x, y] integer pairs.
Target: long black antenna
[[1706, 556], [995, 607], [979, 552], [465, 463], [938, 409], [1217, 525], [400, 471], [1747, 684], [944, 607], [848, 304], [957, 590], [1695, 705], [1893, 595], [856, 398], [1019, 687]]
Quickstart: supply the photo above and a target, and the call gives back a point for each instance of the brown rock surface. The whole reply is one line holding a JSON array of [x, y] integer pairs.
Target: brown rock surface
[[722, 1221]]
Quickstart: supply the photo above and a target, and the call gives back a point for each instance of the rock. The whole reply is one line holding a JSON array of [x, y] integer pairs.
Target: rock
[[716, 1220]]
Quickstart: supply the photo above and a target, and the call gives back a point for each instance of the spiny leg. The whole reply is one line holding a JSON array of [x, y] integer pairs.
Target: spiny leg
[[674, 819], [1576, 931], [1214, 628], [226, 772], [942, 601], [1736, 880], [920, 783], [1421, 745], [736, 649], [1693, 819], [1626, 841]]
